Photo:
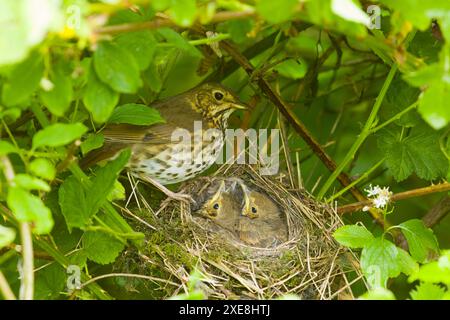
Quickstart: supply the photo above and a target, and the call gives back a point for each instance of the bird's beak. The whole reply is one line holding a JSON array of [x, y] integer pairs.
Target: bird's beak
[[239, 106]]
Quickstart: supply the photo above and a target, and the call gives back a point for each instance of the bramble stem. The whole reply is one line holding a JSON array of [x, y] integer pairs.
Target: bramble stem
[[366, 131]]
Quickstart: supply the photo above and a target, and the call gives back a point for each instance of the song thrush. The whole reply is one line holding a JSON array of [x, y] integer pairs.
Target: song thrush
[[160, 155]]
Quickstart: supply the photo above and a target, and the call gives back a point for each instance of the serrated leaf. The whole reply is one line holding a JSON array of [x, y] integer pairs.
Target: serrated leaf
[[428, 291], [104, 181], [23, 80], [72, 200], [50, 282], [98, 98], [30, 208], [101, 247], [419, 152], [353, 236], [137, 114], [421, 240], [58, 99], [58, 134], [43, 168], [116, 67], [379, 262], [433, 104], [7, 236]]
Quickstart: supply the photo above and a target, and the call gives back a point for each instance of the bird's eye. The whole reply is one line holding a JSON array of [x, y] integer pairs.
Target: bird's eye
[[216, 206], [254, 210], [218, 95]]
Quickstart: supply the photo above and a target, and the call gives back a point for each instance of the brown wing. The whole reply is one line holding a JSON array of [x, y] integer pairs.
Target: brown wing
[[120, 136], [176, 111]]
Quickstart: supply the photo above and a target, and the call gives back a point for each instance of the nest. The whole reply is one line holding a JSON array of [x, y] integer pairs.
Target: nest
[[308, 263]]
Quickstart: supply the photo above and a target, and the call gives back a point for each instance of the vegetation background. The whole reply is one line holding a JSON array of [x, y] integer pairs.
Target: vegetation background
[[361, 89]]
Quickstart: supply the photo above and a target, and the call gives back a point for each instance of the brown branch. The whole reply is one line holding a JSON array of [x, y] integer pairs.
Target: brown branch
[[161, 22], [299, 127], [442, 187], [437, 213]]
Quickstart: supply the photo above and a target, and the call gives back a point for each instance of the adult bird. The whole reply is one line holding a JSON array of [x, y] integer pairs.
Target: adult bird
[[187, 144]]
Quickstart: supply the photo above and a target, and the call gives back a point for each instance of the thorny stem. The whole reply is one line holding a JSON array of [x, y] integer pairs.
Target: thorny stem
[[362, 136]]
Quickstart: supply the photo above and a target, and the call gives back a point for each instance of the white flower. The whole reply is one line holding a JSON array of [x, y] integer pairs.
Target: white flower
[[380, 197]]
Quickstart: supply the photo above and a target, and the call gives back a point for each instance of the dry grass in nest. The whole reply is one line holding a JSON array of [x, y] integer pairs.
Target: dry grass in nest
[[310, 264]]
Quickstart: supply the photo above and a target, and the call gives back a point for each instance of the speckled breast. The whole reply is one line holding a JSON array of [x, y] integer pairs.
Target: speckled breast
[[181, 161]]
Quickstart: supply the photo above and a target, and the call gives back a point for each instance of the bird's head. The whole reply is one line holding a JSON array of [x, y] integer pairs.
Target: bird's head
[[216, 103]]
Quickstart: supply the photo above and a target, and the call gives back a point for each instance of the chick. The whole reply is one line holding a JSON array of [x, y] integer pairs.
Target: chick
[[261, 222], [220, 206]]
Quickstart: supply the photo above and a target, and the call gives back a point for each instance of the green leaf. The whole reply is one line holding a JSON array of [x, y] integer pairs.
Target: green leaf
[[23, 80], [50, 282], [116, 67], [435, 271], [58, 134], [400, 96], [117, 193], [104, 181], [433, 104], [140, 44], [58, 99], [379, 262], [378, 294], [30, 208], [72, 200], [353, 236], [421, 240], [137, 114], [99, 99], [7, 236], [43, 168], [101, 247], [419, 152], [6, 148], [92, 142], [28, 182], [407, 264], [428, 291], [183, 12], [276, 11]]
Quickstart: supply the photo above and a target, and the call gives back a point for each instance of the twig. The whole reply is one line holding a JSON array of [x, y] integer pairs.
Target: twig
[[437, 213], [5, 289], [162, 22], [299, 127], [27, 285], [442, 187], [129, 275]]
